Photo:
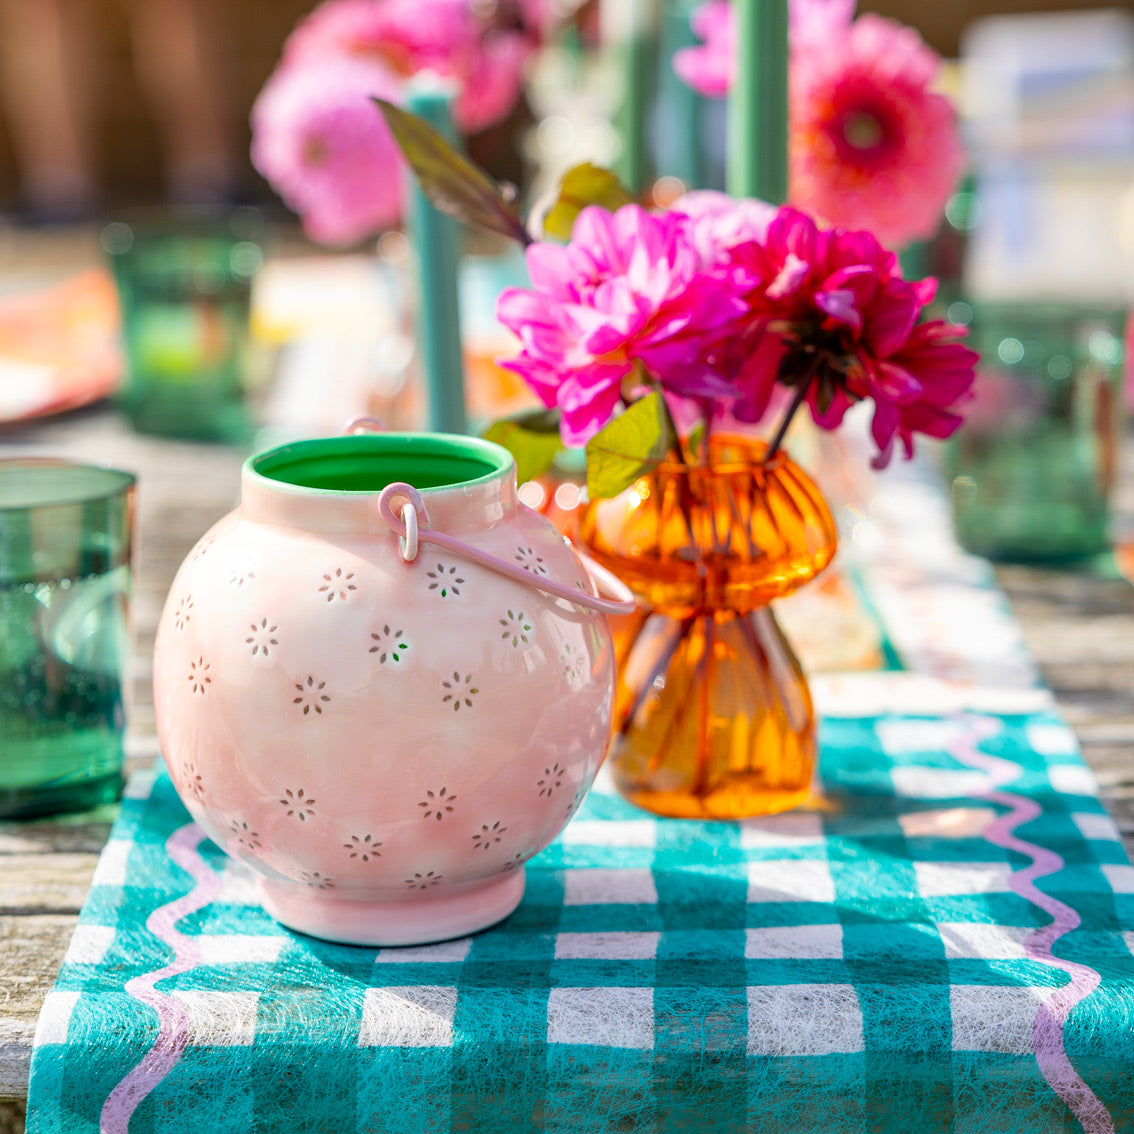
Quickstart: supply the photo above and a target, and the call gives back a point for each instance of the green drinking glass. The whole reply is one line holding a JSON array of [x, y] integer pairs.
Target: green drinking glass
[[1033, 467], [65, 586], [184, 287]]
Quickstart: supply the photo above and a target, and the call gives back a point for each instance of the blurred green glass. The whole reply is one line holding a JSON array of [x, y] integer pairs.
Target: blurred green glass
[[184, 286], [1033, 466], [65, 582]]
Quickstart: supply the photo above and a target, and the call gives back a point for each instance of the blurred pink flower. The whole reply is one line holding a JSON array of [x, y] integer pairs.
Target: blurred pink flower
[[870, 144], [709, 68], [811, 20], [324, 147], [830, 308], [449, 38], [628, 289]]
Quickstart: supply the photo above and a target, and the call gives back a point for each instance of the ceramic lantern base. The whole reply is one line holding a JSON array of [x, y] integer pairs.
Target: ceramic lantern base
[[417, 920]]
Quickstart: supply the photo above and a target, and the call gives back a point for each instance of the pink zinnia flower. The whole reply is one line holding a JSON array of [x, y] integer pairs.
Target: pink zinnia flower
[[831, 308], [870, 144], [627, 290], [446, 37], [320, 141]]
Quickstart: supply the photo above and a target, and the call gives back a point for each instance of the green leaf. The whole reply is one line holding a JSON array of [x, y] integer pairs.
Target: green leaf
[[532, 437], [581, 186], [455, 185], [633, 443]]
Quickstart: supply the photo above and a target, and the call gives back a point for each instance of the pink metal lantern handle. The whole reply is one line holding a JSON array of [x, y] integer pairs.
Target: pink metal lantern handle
[[403, 509]]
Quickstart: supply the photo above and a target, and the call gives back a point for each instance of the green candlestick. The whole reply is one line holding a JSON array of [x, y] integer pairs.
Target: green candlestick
[[435, 240], [758, 103], [680, 138], [628, 28]]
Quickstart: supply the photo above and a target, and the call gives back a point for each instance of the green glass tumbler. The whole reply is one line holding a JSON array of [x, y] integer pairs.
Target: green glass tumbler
[[65, 585], [1033, 467], [184, 287]]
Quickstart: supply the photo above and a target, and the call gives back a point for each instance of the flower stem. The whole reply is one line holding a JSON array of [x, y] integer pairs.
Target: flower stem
[[796, 401]]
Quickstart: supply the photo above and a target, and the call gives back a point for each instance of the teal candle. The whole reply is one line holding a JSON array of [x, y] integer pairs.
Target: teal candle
[[629, 31], [758, 102], [435, 241], [681, 152]]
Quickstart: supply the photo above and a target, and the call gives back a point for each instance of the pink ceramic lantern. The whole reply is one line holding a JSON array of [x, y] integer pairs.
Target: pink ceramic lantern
[[384, 699]]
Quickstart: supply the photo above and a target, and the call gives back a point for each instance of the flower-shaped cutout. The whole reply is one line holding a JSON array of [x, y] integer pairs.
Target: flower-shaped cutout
[[436, 805], [363, 847], [262, 638], [317, 881], [193, 782], [530, 561], [183, 615], [202, 547], [488, 836], [551, 781], [244, 835], [337, 586], [461, 691], [311, 695], [446, 581], [389, 645], [517, 627], [574, 664], [241, 574], [199, 679], [425, 881], [298, 803]]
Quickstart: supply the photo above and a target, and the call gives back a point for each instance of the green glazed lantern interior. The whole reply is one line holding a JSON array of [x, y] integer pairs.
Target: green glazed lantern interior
[[367, 463]]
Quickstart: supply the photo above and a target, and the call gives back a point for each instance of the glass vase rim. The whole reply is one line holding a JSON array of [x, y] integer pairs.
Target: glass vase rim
[[729, 466], [87, 483]]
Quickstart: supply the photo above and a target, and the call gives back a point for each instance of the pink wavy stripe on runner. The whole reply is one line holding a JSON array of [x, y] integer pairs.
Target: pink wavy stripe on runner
[[1047, 1031], [173, 1017]]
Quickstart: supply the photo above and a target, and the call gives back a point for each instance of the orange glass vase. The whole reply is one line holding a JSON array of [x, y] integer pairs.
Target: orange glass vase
[[713, 714]]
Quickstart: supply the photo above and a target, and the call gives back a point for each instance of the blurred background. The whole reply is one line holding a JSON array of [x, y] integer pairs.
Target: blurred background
[[159, 93]]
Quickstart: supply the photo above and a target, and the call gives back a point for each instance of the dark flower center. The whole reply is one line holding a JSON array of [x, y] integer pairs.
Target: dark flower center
[[862, 131], [315, 151], [865, 134]]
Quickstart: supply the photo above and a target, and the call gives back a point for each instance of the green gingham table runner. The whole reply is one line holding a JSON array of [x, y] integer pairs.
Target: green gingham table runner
[[942, 941]]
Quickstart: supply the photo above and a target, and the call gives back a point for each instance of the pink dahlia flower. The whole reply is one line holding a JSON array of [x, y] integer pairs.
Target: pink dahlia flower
[[446, 37], [871, 145], [943, 373], [830, 308], [322, 144], [718, 222], [627, 292]]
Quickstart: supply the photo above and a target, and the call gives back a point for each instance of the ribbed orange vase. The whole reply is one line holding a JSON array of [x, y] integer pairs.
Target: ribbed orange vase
[[713, 714]]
